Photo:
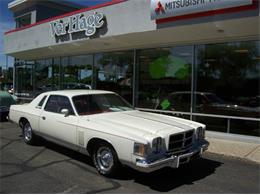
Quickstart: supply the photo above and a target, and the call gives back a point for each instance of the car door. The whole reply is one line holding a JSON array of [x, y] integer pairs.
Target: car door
[[55, 125]]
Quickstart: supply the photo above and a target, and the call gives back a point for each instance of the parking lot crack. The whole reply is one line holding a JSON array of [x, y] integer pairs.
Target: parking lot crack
[[252, 151], [9, 143]]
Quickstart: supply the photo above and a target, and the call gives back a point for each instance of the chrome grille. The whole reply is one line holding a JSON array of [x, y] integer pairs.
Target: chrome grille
[[180, 141]]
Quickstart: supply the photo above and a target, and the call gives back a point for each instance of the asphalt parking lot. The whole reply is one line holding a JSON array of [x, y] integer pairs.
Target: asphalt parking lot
[[49, 168]]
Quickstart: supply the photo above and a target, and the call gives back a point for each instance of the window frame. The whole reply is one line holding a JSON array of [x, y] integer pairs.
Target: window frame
[[54, 95], [23, 16], [42, 102]]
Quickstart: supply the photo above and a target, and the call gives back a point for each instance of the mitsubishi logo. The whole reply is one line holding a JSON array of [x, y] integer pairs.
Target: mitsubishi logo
[[159, 9]]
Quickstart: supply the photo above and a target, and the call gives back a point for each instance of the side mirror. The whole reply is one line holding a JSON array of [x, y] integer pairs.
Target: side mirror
[[66, 112]]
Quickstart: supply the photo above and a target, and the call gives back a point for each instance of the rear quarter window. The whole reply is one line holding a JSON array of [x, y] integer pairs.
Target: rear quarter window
[[42, 101]]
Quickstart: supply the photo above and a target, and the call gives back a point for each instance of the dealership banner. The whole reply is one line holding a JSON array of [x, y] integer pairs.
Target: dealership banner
[[171, 8]]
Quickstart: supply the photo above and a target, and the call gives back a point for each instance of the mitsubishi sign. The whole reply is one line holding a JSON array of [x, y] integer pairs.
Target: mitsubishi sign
[[77, 23], [172, 8]]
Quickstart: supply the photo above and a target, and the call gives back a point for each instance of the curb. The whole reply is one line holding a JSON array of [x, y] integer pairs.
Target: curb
[[244, 150]]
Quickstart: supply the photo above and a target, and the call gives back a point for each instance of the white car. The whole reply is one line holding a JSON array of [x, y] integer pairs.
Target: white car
[[104, 126]]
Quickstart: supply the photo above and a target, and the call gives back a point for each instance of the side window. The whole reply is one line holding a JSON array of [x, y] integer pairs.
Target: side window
[[42, 102], [57, 103], [81, 104], [186, 99], [199, 100], [64, 103], [175, 99]]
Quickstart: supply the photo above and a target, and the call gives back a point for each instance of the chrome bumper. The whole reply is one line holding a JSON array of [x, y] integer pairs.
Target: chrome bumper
[[173, 161]]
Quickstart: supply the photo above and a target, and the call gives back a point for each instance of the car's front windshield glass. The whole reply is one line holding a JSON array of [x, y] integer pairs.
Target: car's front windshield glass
[[100, 103], [214, 99]]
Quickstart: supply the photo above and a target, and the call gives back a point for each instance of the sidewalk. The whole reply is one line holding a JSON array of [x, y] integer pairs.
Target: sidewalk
[[245, 147]]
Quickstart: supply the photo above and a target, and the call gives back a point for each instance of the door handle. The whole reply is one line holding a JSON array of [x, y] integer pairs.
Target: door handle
[[43, 118]]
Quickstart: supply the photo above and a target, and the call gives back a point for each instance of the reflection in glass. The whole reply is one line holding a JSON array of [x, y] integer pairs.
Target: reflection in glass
[[56, 73], [44, 76], [24, 78], [165, 78], [77, 72], [245, 127], [114, 72], [227, 81]]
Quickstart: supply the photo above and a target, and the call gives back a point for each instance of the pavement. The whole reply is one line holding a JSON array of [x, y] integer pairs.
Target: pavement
[[49, 168], [245, 147]]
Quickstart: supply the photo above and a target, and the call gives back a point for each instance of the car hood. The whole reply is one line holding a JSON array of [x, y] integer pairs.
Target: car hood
[[137, 124]]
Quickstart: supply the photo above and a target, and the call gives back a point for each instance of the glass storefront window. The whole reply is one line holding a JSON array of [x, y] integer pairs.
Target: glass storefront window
[[77, 72], [44, 76], [24, 78], [56, 73], [114, 72], [227, 82], [165, 78]]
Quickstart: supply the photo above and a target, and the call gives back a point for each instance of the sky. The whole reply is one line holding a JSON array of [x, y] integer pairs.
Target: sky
[[7, 23]]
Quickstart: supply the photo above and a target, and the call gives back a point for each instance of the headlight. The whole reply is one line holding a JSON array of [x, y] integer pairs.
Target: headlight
[[200, 133], [157, 144], [140, 149]]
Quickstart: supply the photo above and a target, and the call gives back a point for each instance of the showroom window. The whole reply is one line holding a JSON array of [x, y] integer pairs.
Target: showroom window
[[56, 72], [165, 78], [114, 72], [44, 76], [77, 72], [24, 78], [216, 84], [226, 83]]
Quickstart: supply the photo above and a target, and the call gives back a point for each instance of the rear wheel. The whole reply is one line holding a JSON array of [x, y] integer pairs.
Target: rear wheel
[[105, 159], [28, 135]]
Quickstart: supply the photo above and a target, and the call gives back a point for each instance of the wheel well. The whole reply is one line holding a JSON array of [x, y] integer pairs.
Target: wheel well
[[22, 121], [93, 142]]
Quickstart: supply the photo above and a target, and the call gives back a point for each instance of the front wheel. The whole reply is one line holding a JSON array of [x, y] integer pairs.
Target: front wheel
[[105, 159], [28, 136]]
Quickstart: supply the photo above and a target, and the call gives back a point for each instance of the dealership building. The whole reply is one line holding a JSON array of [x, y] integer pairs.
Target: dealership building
[[196, 59]]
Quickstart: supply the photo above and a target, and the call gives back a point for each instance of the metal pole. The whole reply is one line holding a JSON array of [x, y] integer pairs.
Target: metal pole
[[6, 58], [134, 80], [192, 81], [14, 78], [228, 125]]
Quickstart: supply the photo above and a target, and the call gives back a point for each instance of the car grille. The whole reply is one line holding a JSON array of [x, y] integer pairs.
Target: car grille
[[180, 142]]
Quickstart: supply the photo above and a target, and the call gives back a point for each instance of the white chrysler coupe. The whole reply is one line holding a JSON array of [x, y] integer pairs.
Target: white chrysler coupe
[[103, 125]]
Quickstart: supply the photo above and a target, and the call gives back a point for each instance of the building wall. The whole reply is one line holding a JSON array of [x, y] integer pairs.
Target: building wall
[[128, 25], [120, 21]]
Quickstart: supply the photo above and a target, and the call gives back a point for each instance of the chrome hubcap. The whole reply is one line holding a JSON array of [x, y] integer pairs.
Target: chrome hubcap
[[27, 132], [105, 158]]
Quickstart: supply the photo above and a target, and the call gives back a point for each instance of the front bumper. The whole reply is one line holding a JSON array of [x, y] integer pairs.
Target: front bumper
[[173, 161]]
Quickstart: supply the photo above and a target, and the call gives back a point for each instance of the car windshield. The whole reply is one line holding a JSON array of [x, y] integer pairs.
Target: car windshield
[[100, 103]]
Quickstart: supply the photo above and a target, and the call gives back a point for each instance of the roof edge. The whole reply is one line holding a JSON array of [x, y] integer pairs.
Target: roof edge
[[112, 2], [15, 3]]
